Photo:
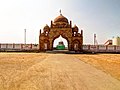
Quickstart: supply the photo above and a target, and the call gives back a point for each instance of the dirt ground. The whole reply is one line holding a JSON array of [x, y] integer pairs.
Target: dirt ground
[[109, 63], [40, 71], [13, 67]]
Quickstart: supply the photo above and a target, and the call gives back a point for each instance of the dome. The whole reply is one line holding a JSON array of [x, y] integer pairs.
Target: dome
[[46, 28], [61, 18], [75, 28]]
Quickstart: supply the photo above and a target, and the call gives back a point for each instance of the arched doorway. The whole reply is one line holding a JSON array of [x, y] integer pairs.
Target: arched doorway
[[46, 44], [75, 45], [60, 42]]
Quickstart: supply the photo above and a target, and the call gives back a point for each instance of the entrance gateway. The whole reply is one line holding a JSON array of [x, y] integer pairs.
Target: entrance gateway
[[61, 26]]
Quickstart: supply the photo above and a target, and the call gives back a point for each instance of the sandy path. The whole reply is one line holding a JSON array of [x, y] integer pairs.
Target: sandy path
[[65, 72]]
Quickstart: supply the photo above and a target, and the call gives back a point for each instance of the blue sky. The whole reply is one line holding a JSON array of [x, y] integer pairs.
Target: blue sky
[[101, 17]]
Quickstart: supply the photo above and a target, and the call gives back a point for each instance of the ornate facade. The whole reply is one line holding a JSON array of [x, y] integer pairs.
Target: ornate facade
[[61, 26]]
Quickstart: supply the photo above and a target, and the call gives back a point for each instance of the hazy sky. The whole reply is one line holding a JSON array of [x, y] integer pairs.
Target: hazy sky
[[93, 16]]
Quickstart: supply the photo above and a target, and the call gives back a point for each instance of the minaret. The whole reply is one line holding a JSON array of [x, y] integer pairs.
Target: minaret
[[82, 32], [51, 24], [70, 24], [40, 31]]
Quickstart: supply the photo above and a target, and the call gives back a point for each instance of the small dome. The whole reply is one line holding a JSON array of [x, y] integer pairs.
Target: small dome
[[61, 18], [46, 28], [75, 28]]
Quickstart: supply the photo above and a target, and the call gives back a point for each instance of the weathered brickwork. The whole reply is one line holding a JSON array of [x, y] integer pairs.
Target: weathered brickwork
[[62, 27]]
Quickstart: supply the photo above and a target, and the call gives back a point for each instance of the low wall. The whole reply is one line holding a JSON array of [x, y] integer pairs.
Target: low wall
[[101, 48], [86, 48], [19, 46]]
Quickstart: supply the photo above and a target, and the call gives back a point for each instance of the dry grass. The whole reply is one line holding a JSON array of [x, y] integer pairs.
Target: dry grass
[[40, 71], [14, 66], [109, 63]]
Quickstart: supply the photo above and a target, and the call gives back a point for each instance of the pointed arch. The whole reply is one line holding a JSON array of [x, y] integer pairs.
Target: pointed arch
[[76, 45], [58, 37]]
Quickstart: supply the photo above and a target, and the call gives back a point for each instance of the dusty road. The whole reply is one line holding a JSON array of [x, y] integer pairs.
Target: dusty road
[[63, 72]]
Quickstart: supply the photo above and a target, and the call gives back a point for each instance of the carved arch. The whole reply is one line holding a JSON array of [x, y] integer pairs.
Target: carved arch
[[46, 44], [76, 45], [57, 36], [62, 27]]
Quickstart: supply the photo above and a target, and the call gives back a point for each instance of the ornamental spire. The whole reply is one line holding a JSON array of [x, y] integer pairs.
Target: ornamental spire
[[60, 12]]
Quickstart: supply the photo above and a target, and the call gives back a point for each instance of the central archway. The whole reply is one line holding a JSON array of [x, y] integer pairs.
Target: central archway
[[65, 33], [59, 40]]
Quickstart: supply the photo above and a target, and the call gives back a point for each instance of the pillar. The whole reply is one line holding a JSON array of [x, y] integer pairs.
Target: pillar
[[82, 32], [70, 24], [13, 45]]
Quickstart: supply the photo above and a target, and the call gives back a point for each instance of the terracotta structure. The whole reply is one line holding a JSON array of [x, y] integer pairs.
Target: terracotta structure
[[62, 27]]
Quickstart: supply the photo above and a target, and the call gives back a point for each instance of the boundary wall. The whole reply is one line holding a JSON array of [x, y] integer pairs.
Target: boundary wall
[[18, 47], [33, 47], [101, 48]]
